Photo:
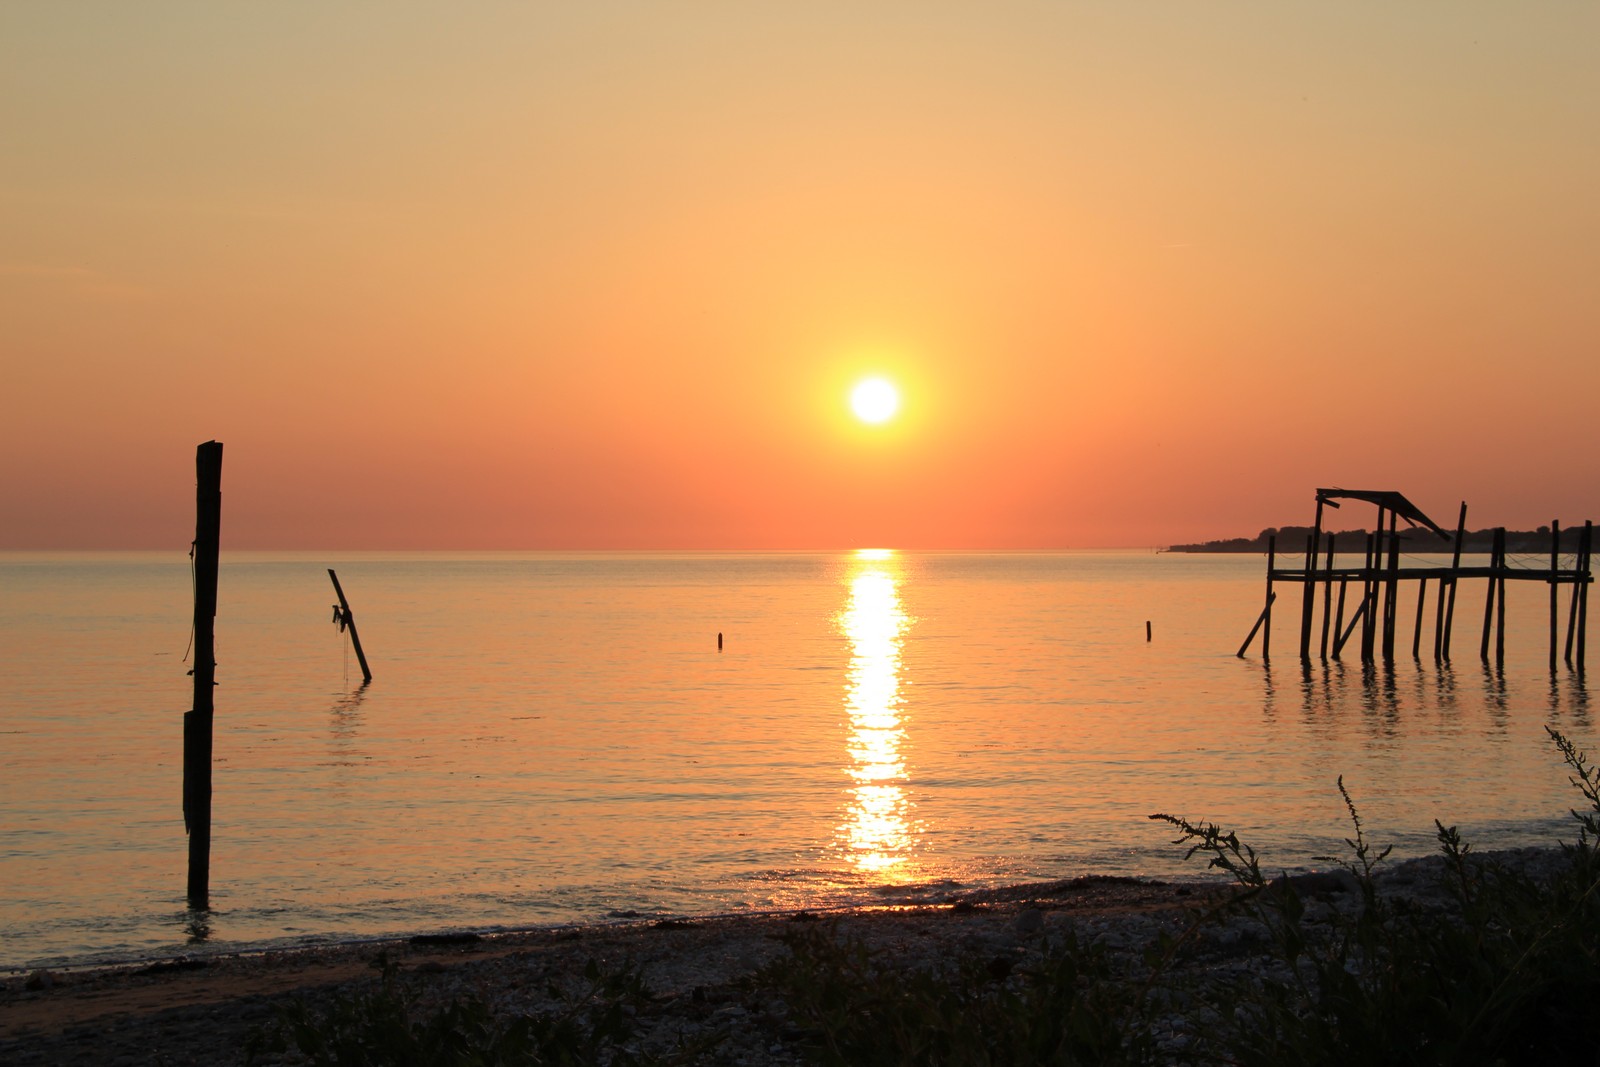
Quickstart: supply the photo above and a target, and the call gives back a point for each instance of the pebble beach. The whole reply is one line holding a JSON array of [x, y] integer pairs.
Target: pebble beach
[[698, 972], [182, 1011]]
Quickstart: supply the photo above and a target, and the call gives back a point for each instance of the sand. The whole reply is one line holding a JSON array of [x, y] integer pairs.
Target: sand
[[182, 1011], [696, 970]]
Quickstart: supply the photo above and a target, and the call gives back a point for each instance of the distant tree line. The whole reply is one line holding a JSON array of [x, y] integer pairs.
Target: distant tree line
[[1293, 539]]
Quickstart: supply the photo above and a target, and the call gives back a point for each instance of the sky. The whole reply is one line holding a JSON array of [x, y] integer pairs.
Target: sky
[[602, 276]]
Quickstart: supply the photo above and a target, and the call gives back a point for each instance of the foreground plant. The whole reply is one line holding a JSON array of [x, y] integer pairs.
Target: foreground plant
[[1068, 1008], [1508, 974]]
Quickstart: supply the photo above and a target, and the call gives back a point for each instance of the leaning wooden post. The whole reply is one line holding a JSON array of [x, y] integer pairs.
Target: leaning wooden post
[[1338, 619], [1360, 614], [1265, 618], [1265, 612], [347, 621], [197, 723]]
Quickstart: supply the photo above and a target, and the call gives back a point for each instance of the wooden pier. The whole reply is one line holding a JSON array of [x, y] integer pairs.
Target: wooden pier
[[1370, 585]]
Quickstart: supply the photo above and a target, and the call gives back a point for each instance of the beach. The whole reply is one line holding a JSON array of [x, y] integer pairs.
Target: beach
[[723, 989], [181, 1011]]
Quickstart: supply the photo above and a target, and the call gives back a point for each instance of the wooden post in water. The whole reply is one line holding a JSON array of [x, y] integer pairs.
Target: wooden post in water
[[1438, 614], [1585, 558], [1327, 597], [1338, 619], [1266, 612], [1416, 634], [1555, 589], [197, 723], [347, 621], [1500, 620], [1572, 601], [1380, 612], [1488, 603], [1309, 595], [1455, 567], [1580, 586], [1391, 593], [1369, 588]]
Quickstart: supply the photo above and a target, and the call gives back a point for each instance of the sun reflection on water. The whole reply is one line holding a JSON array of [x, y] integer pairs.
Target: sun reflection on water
[[877, 831]]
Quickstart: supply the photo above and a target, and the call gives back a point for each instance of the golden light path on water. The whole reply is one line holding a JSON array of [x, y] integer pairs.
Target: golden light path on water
[[877, 830]]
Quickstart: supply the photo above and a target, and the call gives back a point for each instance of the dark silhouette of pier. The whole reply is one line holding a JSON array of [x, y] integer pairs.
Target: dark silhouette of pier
[[1372, 587]]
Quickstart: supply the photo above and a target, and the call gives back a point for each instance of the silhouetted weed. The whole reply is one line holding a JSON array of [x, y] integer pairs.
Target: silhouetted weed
[[855, 1008], [1507, 973]]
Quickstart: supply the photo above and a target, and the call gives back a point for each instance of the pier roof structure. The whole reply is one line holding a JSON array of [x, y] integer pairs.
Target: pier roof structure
[[1387, 500]]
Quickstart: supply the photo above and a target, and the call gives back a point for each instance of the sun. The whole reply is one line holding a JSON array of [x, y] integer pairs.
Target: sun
[[875, 400]]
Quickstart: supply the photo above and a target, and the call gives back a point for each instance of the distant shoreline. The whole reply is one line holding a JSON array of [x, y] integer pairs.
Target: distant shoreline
[[1292, 539]]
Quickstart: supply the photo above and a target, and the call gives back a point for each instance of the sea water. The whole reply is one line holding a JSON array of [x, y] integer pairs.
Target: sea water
[[561, 738]]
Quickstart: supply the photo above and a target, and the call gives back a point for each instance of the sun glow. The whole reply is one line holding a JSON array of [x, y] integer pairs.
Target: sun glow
[[875, 400]]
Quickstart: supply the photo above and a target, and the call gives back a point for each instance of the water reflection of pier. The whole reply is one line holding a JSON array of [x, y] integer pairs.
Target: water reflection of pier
[[1377, 580], [1385, 693], [877, 831]]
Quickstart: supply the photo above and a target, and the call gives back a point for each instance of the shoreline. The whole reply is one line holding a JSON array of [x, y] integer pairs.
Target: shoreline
[[927, 896], [203, 1009], [704, 979]]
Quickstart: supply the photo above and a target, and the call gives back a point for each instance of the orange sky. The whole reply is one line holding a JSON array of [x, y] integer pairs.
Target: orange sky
[[601, 276]]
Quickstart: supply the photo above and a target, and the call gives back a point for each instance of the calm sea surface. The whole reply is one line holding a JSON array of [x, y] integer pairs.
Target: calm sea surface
[[557, 738]]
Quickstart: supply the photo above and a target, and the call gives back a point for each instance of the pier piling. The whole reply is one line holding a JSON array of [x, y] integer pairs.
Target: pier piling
[[1585, 548], [1266, 612], [1309, 594], [1450, 578], [1555, 590], [198, 722], [1416, 634]]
